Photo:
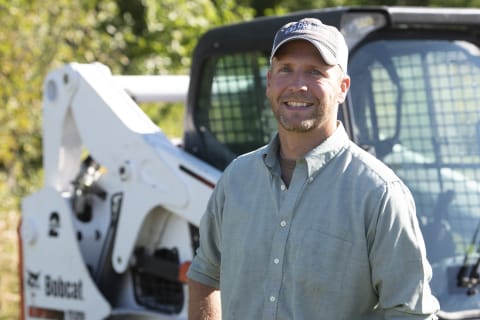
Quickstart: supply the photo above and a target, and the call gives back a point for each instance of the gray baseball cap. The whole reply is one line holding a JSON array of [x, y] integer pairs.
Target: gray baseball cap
[[327, 39]]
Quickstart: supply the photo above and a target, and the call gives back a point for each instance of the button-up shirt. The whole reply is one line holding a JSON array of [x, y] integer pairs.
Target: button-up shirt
[[341, 242]]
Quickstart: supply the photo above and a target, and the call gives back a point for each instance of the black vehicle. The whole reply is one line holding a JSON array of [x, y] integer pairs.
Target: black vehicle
[[414, 103]]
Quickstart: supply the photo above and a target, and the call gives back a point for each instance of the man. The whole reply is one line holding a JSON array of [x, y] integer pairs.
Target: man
[[310, 226]]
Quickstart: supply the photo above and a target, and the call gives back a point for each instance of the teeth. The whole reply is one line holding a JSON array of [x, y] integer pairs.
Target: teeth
[[296, 104]]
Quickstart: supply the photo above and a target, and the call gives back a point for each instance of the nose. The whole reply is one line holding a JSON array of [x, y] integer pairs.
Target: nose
[[298, 82]]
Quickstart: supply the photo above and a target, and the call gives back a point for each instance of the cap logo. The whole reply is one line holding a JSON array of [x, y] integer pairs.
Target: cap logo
[[299, 26]]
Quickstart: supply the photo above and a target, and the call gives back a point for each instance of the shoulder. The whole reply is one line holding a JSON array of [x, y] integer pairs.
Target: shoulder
[[368, 166], [376, 183], [370, 178], [246, 163]]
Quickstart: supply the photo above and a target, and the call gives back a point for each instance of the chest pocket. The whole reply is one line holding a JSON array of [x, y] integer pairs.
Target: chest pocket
[[322, 260]]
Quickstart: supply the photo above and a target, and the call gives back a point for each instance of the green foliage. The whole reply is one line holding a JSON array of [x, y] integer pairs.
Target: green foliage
[[36, 37], [160, 38], [145, 38]]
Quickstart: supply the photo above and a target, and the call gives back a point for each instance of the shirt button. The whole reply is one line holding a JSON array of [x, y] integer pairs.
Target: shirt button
[[282, 187], [272, 299], [283, 223], [276, 261]]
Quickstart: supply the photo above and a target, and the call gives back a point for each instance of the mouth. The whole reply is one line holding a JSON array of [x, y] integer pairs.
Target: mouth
[[297, 105]]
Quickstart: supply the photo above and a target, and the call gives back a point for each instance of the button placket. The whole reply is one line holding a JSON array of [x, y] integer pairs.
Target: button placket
[[286, 205]]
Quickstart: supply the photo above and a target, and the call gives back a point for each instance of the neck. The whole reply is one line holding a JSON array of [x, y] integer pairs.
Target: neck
[[294, 145], [287, 166]]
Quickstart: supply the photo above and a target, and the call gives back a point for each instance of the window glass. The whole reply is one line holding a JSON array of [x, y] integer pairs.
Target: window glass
[[233, 109], [416, 104]]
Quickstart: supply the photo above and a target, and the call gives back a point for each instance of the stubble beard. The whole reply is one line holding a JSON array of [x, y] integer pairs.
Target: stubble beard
[[293, 125]]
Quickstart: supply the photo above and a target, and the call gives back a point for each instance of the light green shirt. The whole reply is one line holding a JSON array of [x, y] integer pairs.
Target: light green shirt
[[341, 242]]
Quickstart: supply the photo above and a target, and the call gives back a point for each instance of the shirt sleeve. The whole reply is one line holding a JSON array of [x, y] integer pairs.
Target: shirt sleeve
[[205, 267], [400, 271]]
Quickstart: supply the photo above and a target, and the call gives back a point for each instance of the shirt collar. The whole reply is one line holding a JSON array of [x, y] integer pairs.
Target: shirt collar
[[317, 157]]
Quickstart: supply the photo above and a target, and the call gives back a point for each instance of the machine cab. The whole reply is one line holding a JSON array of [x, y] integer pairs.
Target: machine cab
[[413, 103]]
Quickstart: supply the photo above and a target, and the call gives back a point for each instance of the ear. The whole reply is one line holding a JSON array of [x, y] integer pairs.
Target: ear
[[344, 86]]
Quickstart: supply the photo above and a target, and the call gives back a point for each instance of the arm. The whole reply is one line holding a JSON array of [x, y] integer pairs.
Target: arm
[[204, 302], [204, 272], [400, 270]]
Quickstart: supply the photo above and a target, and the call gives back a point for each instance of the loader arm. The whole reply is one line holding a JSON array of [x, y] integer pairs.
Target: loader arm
[[86, 110]]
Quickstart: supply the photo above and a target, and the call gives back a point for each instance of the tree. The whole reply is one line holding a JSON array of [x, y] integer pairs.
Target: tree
[[36, 37]]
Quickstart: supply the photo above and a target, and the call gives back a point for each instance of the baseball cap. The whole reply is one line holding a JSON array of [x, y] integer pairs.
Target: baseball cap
[[327, 39]]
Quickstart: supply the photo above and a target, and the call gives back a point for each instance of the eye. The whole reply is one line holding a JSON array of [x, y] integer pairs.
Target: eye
[[284, 69], [316, 72]]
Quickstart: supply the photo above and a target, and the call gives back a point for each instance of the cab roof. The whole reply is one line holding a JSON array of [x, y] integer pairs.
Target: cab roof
[[258, 33]]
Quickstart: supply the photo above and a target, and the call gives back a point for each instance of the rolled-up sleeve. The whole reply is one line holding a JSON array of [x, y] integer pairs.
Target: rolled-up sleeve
[[400, 270]]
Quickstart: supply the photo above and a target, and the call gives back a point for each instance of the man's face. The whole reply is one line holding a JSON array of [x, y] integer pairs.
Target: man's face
[[304, 92]]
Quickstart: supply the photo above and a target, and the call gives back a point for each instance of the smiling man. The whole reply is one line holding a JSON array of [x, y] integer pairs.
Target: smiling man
[[310, 226]]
